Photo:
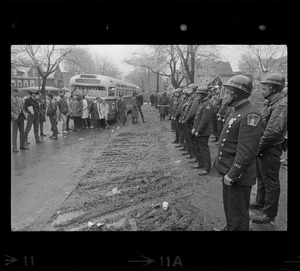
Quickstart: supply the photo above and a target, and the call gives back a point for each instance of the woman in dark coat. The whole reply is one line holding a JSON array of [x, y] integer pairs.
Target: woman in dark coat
[[163, 103]]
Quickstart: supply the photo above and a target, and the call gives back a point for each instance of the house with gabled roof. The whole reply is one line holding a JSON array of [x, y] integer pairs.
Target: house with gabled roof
[[209, 72], [28, 78]]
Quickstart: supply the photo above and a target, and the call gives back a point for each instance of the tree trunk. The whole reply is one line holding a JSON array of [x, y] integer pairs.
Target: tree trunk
[[43, 89]]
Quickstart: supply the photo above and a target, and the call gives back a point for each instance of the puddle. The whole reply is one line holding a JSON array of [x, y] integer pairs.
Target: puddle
[[65, 217]]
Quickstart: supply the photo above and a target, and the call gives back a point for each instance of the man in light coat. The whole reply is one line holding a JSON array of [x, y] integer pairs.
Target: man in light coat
[[18, 116], [104, 109]]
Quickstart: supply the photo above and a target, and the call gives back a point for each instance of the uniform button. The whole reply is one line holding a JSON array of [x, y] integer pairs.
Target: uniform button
[[220, 153], [224, 139], [222, 144], [220, 158], [227, 131]]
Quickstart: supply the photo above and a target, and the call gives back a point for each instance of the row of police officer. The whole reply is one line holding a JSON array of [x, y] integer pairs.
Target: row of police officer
[[249, 147]]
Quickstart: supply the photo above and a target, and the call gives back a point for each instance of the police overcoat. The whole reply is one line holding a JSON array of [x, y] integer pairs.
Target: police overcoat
[[238, 145], [203, 118]]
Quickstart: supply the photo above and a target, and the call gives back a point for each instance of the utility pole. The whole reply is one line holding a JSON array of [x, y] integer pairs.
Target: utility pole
[[157, 82]]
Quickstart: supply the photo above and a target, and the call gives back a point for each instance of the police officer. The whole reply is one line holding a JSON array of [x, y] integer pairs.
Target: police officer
[[185, 111], [175, 103], [188, 120], [237, 150], [216, 101], [274, 114], [177, 116], [31, 107], [203, 129]]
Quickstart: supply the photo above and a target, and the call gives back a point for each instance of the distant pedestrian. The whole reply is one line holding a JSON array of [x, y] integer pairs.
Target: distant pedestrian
[[52, 114], [77, 111], [135, 110], [70, 112], [140, 102], [152, 99], [63, 111], [163, 104], [42, 114], [84, 113], [95, 113], [104, 110], [121, 108], [18, 117], [237, 150], [32, 109]]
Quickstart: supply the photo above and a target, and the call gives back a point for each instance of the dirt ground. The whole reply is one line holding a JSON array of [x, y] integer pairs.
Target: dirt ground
[[117, 180]]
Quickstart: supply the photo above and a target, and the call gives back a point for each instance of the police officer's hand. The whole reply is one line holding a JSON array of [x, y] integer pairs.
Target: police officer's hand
[[227, 180], [196, 134], [193, 131]]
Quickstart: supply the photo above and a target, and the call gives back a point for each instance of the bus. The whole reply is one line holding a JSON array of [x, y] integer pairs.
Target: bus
[[93, 85]]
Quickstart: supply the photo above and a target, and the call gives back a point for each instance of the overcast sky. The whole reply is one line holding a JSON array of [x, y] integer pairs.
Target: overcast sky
[[120, 52]]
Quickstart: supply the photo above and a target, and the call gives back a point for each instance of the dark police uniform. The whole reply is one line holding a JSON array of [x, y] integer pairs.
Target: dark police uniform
[[185, 132], [237, 150], [175, 102], [177, 116], [188, 122], [203, 125]]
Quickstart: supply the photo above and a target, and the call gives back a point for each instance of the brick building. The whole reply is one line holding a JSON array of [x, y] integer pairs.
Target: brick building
[[26, 79]]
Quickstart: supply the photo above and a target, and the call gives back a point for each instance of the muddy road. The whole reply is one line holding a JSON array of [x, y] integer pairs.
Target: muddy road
[[117, 180]]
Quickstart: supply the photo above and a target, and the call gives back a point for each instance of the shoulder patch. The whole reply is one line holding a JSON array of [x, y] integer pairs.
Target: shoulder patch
[[252, 119], [208, 106]]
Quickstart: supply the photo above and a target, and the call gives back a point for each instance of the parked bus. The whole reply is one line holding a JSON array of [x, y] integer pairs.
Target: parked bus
[[93, 85]]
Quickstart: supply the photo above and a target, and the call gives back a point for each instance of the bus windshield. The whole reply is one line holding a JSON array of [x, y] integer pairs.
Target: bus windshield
[[91, 91]]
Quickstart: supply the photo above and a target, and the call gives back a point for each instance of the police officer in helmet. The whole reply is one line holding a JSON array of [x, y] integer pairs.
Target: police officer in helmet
[[237, 149], [274, 114]]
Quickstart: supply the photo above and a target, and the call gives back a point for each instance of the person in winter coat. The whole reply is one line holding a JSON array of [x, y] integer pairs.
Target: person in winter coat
[[104, 110], [274, 116], [121, 109], [163, 104], [63, 111], [77, 112], [95, 113], [42, 114], [135, 110], [84, 113], [52, 114]]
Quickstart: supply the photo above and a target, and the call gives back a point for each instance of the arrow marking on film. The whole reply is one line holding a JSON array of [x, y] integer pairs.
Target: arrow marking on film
[[148, 261], [10, 260]]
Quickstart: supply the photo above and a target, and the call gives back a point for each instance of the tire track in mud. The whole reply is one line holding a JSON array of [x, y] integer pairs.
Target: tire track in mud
[[142, 180]]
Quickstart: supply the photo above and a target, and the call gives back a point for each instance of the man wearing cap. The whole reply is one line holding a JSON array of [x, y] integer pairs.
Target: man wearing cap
[[188, 119], [202, 129], [163, 103], [237, 150], [18, 116], [32, 109], [274, 115]]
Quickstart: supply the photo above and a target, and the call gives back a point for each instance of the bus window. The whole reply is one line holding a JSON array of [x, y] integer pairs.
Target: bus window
[[111, 92]]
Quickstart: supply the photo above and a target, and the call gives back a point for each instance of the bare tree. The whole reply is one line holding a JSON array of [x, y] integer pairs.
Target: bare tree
[[105, 66], [46, 59], [79, 61], [19, 57], [191, 55], [260, 60]]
